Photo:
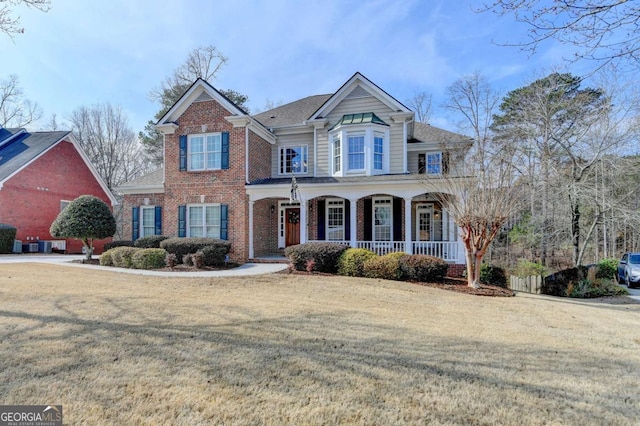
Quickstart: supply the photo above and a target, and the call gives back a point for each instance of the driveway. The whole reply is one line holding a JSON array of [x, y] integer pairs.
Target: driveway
[[66, 260], [634, 293]]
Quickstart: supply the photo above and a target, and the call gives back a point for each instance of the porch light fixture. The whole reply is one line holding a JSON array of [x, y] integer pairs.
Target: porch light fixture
[[273, 208], [294, 190]]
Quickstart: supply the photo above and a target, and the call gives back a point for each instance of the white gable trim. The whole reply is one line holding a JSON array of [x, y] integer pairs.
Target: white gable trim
[[189, 97], [69, 138], [351, 84]]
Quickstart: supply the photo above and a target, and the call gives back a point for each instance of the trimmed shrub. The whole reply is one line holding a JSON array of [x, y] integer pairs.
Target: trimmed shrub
[[325, 256], [493, 275], [558, 283], [607, 268], [122, 256], [198, 259], [385, 267], [422, 268], [106, 259], [601, 287], [149, 258], [170, 260], [187, 259], [150, 241], [351, 261], [182, 246], [526, 268], [118, 243], [7, 236], [214, 255]]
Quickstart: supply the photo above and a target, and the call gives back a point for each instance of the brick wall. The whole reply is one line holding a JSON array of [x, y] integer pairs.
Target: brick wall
[[137, 200], [259, 157], [30, 200]]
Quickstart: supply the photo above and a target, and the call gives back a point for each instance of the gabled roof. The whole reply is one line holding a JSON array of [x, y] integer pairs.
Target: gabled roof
[[292, 113], [19, 148], [150, 183], [358, 80]]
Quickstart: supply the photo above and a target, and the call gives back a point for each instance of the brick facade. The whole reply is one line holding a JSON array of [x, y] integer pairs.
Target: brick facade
[[30, 200]]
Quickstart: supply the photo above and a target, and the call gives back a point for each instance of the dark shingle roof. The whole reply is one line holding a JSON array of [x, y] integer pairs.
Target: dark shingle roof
[[23, 148], [292, 113], [426, 133]]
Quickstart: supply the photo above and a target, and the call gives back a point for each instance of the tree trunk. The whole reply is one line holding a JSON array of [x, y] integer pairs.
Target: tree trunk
[[88, 247], [575, 231]]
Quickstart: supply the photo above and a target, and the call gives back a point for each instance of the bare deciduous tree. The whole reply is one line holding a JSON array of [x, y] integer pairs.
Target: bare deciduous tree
[[104, 134], [421, 105], [11, 25], [605, 31], [15, 110]]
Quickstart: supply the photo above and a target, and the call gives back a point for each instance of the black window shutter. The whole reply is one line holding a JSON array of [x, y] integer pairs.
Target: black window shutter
[[135, 223], [368, 215], [321, 220], [397, 219], [225, 150], [182, 221], [347, 220], [158, 221], [445, 162], [224, 222], [183, 152]]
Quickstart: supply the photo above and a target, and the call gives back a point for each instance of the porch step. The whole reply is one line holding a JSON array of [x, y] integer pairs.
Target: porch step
[[269, 259]]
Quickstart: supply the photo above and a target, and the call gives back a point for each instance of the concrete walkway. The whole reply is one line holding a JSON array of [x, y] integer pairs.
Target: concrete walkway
[[66, 260]]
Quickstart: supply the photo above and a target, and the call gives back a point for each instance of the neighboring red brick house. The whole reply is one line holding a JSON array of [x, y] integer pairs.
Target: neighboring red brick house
[[358, 157], [40, 173]]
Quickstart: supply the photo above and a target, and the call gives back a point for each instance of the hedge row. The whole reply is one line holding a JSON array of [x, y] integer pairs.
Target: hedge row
[[134, 257], [338, 258], [213, 250]]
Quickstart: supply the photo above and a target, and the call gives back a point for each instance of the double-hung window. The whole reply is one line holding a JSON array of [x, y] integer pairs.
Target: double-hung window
[[337, 154], [434, 163], [293, 159], [335, 220], [382, 219], [378, 150], [356, 152], [147, 221], [205, 151], [204, 220]]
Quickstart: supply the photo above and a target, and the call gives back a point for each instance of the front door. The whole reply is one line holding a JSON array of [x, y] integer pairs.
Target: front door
[[292, 227]]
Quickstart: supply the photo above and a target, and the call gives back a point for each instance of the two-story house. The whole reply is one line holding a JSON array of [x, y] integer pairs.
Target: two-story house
[[348, 167]]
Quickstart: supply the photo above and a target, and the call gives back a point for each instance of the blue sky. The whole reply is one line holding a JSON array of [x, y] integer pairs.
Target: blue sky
[[83, 52]]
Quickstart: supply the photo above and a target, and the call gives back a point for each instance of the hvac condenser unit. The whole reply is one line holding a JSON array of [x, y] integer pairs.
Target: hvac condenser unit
[[17, 246], [30, 248]]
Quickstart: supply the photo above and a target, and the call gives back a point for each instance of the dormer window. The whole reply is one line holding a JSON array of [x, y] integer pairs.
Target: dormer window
[[360, 145]]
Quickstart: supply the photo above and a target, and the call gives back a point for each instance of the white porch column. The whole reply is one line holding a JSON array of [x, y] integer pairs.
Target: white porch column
[[303, 221], [408, 247], [251, 229], [353, 221]]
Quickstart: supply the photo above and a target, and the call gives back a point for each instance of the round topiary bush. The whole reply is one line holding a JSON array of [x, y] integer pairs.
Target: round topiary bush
[[106, 259], [352, 260], [385, 267], [149, 258]]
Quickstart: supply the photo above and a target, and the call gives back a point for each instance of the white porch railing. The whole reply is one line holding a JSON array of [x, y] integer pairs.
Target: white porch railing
[[446, 250], [381, 247]]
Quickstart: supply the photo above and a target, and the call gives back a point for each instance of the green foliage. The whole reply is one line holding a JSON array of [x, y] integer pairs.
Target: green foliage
[[607, 268], [558, 283], [85, 218], [385, 267], [107, 258], [493, 275], [526, 268], [118, 243], [214, 255], [7, 236], [151, 241], [122, 257], [422, 268], [182, 246], [352, 260], [325, 256], [601, 287], [149, 258]]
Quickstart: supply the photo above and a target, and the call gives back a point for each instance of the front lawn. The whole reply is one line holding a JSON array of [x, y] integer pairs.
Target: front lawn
[[115, 348]]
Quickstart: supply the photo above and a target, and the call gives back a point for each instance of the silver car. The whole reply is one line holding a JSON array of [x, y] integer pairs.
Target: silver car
[[629, 270]]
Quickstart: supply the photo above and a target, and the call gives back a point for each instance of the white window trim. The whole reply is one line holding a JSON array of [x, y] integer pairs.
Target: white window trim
[[342, 204], [141, 230], [342, 134], [204, 153], [306, 162], [373, 216], [204, 206], [357, 134], [426, 162]]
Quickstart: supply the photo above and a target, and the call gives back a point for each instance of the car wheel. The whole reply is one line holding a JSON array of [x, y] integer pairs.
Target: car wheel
[[629, 284]]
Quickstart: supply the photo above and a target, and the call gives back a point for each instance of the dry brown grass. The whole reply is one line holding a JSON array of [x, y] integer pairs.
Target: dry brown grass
[[123, 349]]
